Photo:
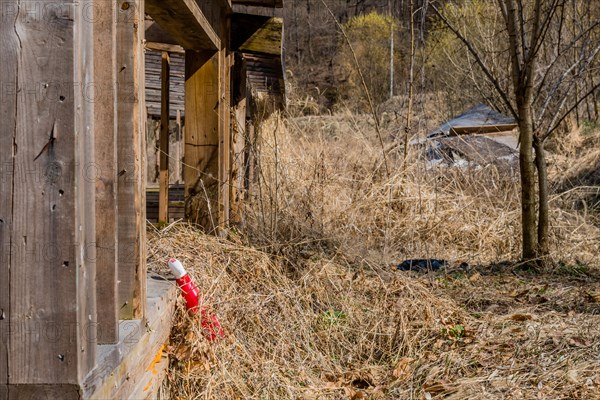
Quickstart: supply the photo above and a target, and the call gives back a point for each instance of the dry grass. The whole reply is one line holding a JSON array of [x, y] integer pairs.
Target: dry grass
[[313, 308]]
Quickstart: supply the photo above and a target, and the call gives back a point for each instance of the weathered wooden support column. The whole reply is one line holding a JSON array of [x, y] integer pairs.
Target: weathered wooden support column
[[201, 155], [225, 148], [163, 179], [105, 70], [131, 149], [47, 203], [239, 100]]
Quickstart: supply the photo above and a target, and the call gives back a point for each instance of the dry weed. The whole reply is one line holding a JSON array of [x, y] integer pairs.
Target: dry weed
[[314, 308]]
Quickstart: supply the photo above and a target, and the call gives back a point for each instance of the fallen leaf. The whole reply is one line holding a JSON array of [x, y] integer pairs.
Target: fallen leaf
[[578, 341], [475, 277], [520, 317], [572, 376], [403, 370], [435, 387]]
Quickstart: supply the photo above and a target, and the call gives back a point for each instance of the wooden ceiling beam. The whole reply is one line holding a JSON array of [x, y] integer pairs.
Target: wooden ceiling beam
[[185, 22]]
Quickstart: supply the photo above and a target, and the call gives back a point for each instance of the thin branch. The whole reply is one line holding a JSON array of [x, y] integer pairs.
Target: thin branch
[[479, 61], [364, 85], [569, 111]]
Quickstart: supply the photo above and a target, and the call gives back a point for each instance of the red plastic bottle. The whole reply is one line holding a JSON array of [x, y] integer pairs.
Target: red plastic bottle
[[210, 324]]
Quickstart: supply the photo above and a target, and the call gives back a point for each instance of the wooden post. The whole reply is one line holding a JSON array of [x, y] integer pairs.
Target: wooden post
[[131, 159], [47, 202], [239, 138], [8, 115], [163, 179], [106, 172], [178, 148], [201, 168], [224, 124]]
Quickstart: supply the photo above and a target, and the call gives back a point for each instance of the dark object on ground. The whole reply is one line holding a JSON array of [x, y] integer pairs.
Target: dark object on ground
[[423, 265]]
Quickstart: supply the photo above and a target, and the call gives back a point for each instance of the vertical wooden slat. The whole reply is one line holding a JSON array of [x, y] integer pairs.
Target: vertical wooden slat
[[239, 139], [224, 124], [141, 270], [106, 162], [130, 159], [52, 313], [163, 179], [9, 43], [178, 149], [201, 156]]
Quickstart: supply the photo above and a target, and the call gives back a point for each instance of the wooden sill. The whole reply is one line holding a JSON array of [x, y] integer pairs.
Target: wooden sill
[[135, 367]]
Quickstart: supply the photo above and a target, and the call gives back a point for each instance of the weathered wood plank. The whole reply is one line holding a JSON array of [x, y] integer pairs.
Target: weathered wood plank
[[225, 150], [129, 154], [9, 43], [105, 68], [171, 48], [239, 97], [141, 270], [201, 156], [185, 22], [122, 368], [265, 10], [163, 180], [52, 262], [260, 35], [37, 392]]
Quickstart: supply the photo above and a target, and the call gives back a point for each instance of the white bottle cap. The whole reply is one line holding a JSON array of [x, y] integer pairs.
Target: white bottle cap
[[176, 268]]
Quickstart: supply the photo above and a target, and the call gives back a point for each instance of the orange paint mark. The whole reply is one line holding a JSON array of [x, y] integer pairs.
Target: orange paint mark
[[148, 385], [157, 358]]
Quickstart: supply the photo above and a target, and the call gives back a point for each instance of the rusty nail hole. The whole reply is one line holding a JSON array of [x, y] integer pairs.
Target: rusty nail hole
[[65, 264], [125, 6], [61, 357]]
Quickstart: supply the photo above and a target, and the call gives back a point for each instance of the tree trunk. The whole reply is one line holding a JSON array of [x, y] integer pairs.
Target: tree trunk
[[542, 230], [528, 184]]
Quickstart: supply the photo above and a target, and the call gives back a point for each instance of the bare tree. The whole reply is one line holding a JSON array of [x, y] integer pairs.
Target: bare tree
[[548, 69]]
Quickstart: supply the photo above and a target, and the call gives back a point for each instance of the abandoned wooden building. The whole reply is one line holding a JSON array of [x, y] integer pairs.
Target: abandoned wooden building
[[90, 91]]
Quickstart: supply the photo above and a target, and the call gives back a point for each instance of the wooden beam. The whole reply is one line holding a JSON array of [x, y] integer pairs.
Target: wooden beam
[[170, 48], [8, 115], [260, 35], [201, 156], [105, 68], [463, 130], [239, 99], [264, 11], [130, 159], [163, 178], [121, 369], [185, 22], [225, 150], [52, 310]]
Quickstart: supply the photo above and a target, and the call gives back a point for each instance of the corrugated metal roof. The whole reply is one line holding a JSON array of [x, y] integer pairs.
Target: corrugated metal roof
[[478, 116]]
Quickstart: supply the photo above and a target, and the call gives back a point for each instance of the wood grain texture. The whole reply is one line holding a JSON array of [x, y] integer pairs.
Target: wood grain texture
[[225, 154], [38, 392], [238, 127], [129, 154], [122, 368], [139, 289], [163, 180], [185, 21], [49, 269], [201, 156], [9, 43], [106, 180]]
